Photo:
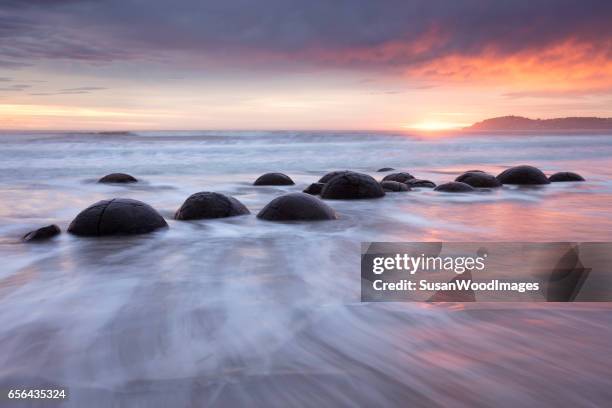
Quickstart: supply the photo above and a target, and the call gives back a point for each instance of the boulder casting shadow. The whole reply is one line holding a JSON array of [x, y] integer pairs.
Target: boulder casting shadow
[[479, 179], [297, 207], [565, 176], [116, 217], [274, 179], [210, 205], [352, 186], [118, 178], [522, 175]]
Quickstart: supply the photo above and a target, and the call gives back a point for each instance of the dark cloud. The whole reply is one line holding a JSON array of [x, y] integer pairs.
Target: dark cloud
[[310, 31]]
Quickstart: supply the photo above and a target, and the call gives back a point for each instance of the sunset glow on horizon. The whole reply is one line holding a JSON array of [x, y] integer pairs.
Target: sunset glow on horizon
[[116, 65]]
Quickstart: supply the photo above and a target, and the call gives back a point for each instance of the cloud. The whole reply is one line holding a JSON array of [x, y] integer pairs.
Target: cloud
[[71, 91], [16, 87]]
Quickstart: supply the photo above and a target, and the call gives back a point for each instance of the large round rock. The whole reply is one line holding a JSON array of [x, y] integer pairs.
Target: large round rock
[[385, 169], [116, 216], [332, 174], [421, 183], [42, 234], [297, 207], [118, 178], [479, 179], [402, 177], [394, 186], [565, 176], [524, 175], [454, 187], [314, 189], [352, 186], [274, 179], [210, 205]]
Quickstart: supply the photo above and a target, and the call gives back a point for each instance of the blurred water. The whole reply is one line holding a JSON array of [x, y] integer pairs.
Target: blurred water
[[242, 312]]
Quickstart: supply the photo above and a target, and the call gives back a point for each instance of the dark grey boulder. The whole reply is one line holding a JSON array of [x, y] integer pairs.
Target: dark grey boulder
[[274, 179], [332, 174], [42, 233], [394, 186], [210, 205], [116, 217], [386, 169], [399, 177], [352, 186], [454, 187], [118, 178], [314, 188], [525, 175], [479, 179], [421, 183], [565, 176], [297, 207]]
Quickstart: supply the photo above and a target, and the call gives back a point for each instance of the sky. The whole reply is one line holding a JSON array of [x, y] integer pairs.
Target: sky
[[293, 64]]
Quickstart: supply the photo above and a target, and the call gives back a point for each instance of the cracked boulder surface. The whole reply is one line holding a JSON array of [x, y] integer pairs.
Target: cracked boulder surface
[[118, 178], [297, 207], [352, 186], [479, 179], [394, 186], [523, 175], [210, 205], [454, 187], [119, 216], [274, 179], [332, 174], [565, 176], [402, 177]]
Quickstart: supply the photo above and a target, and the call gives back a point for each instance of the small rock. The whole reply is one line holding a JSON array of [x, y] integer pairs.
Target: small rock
[[273, 179], [210, 205], [565, 176], [352, 186], [386, 169], [297, 207], [421, 183], [479, 179], [454, 187], [331, 175], [525, 175], [314, 188], [116, 216], [42, 233], [394, 186], [118, 178], [402, 177]]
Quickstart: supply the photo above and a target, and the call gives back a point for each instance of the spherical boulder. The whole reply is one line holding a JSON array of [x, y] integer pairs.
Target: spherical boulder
[[352, 186], [332, 174], [118, 178], [525, 175], [385, 169], [421, 183], [479, 179], [314, 188], [297, 207], [42, 233], [273, 179], [454, 187], [565, 176], [116, 217], [402, 177], [210, 205], [394, 186]]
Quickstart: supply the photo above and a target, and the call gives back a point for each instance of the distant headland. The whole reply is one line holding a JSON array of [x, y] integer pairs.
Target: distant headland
[[519, 123]]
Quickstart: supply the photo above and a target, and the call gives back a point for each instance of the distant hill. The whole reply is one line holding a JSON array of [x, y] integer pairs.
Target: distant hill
[[520, 123]]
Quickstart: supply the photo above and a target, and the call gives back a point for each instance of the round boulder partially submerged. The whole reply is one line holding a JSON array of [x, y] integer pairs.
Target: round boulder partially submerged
[[314, 188], [523, 175], [386, 169], [402, 177], [115, 217], [394, 186], [332, 174], [454, 187], [42, 233], [479, 179], [565, 176], [118, 178], [421, 183], [297, 207], [352, 186], [273, 179], [210, 205]]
